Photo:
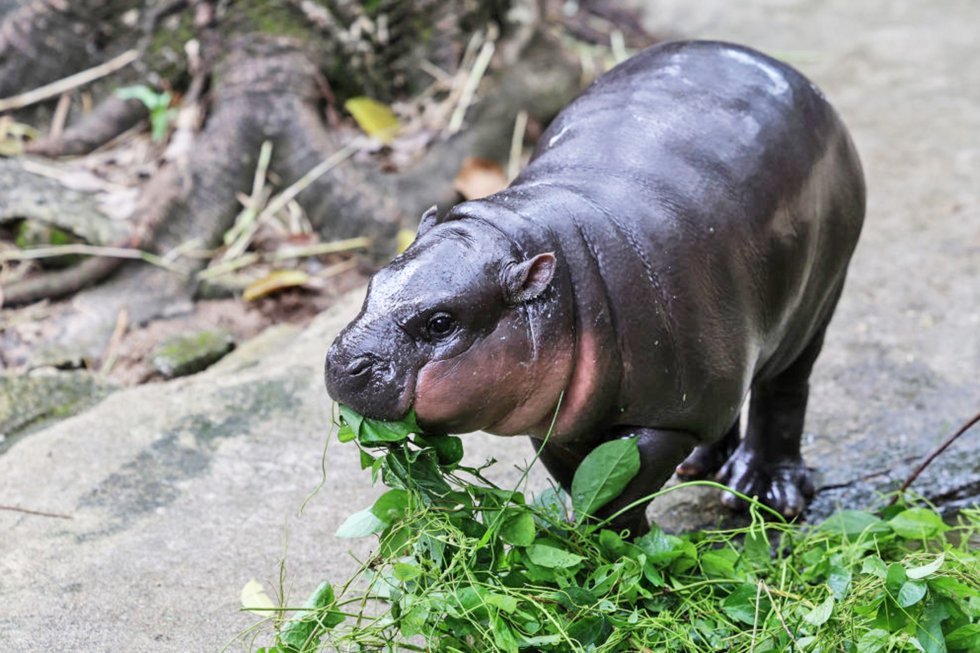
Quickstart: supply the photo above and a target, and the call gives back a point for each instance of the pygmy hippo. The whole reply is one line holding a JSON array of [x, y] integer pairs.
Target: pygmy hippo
[[679, 238]]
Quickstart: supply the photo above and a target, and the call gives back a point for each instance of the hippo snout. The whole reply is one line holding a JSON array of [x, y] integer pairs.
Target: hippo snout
[[367, 382]]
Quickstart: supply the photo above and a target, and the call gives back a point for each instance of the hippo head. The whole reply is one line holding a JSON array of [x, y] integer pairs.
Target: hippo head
[[452, 328]]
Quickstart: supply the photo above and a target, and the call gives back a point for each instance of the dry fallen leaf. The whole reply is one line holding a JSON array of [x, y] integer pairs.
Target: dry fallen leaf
[[479, 178], [376, 119], [274, 282]]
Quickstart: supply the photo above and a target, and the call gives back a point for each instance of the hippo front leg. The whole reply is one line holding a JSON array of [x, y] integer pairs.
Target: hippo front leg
[[660, 450]]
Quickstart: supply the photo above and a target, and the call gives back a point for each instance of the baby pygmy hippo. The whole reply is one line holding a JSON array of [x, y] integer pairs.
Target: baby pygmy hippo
[[680, 238]]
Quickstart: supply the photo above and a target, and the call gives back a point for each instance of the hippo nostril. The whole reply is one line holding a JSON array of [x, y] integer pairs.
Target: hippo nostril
[[359, 366]]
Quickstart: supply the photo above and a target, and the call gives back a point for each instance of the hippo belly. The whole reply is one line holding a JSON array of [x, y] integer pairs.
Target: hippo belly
[[680, 238]]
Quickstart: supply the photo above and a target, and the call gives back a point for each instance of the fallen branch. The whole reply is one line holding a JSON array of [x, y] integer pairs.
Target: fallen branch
[[932, 456], [68, 83]]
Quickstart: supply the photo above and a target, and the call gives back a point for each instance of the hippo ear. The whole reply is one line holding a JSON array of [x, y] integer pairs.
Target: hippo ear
[[526, 280], [429, 219]]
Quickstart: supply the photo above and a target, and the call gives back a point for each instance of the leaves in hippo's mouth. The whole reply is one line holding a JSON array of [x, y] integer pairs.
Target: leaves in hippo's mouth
[[372, 432], [405, 457]]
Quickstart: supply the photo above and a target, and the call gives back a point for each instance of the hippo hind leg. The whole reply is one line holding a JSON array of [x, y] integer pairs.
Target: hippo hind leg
[[767, 464], [709, 458]]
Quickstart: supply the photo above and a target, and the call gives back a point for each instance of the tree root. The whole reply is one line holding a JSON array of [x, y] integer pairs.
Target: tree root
[[109, 119], [44, 40]]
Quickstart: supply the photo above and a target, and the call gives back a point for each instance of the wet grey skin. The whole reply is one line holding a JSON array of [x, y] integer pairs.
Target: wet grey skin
[[680, 237]]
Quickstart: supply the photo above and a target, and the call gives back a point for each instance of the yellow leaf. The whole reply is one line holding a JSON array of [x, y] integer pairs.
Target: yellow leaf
[[274, 282], [405, 238], [376, 119], [255, 599]]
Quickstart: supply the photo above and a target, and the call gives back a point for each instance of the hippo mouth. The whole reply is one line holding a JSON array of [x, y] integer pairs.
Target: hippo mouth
[[369, 385]]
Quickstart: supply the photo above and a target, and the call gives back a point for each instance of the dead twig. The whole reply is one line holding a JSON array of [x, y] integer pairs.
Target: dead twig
[[333, 247], [479, 69], [779, 615], [68, 83], [516, 145], [112, 349], [87, 250], [933, 455], [60, 116], [42, 513]]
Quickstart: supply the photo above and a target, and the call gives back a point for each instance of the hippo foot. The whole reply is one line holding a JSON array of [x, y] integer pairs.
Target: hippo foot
[[706, 460], [784, 486]]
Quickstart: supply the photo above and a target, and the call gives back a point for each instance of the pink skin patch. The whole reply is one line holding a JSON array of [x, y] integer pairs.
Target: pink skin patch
[[502, 384], [582, 390]]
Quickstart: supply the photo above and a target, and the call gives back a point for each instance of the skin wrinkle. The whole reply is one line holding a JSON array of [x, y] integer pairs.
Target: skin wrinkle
[[597, 268], [663, 302]]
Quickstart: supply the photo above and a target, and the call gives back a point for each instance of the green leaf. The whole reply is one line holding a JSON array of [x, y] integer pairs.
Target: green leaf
[[661, 549], [918, 573], [820, 614], [952, 588], [552, 557], [875, 566], [839, 581], [346, 434], [756, 548], [574, 597], [375, 432], [367, 460], [741, 604], [929, 629], [852, 523], [417, 472], [965, 637], [303, 634], [603, 475], [502, 601], [590, 631], [895, 577], [449, 448], [718, 564], [405, 572], [350, 419], [361, 524], [917, 524], [391, 506], [872, 641], [890, 617], [911, 593], [518, 529]]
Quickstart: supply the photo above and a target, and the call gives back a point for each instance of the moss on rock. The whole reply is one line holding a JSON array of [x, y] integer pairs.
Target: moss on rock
[[190, 353]]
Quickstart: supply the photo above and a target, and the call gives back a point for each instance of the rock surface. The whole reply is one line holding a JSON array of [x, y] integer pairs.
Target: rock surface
[[30, 401], [179, 493]]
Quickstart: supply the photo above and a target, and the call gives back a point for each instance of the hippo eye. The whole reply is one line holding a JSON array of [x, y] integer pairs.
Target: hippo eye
[[441, 325]]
